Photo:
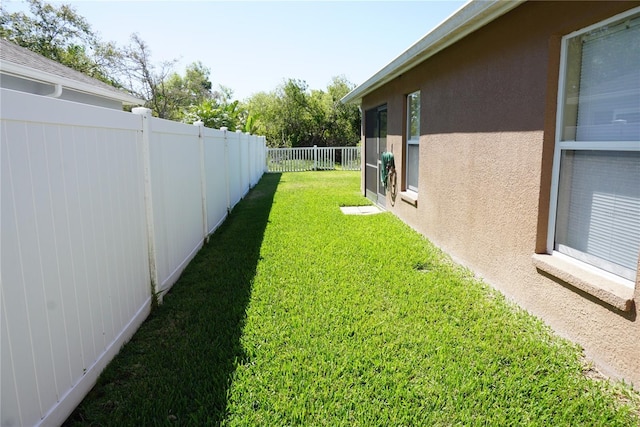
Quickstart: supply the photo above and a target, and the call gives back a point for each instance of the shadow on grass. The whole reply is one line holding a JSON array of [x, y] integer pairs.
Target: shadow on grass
[[179, 366]]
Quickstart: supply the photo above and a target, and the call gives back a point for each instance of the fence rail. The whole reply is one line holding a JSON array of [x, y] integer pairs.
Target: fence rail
[[302, 159], [96, 204]]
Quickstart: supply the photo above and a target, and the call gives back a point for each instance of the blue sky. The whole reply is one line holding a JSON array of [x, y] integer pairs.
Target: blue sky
[[254, 46]]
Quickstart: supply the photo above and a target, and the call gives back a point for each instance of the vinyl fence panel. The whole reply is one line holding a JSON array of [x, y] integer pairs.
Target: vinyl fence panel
[[96, 204], [75, 273], [217, 181], [350, 158], [177, 198], [235, 168], [258, 154], [244, 162], [301, 159]]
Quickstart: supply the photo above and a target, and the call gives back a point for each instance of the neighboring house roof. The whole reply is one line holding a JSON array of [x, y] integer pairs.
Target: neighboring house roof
[[23, 63], [473, 15]]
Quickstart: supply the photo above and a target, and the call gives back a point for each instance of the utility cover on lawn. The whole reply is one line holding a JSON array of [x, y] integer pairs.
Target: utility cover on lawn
[[360, 210]]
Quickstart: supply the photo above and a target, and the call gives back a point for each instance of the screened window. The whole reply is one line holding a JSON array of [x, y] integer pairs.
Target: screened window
[[413, 140], [595, 215]]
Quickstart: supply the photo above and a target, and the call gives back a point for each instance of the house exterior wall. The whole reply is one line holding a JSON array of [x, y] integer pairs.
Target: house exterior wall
[[486, 151], [84, 98], [37, 88]]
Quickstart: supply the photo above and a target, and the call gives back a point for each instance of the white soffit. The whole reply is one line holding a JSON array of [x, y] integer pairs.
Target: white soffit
[[25, 72], [470, 17]]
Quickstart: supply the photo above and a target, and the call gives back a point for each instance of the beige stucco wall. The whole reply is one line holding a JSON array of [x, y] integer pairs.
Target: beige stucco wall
[[488, 124]]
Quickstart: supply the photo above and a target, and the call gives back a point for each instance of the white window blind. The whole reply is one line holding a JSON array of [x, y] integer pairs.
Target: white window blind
[[413, 140], [609, 99], [597, 212], [413, 159], [599, 216]]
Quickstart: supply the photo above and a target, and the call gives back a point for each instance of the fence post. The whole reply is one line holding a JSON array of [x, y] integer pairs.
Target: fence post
[[203, 181], [228, 169], [265, 153], [145, 114], [249, 157], [315, 157], [239, 135]]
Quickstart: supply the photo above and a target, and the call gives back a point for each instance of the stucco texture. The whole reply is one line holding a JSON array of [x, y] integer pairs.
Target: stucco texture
[[486, 150]]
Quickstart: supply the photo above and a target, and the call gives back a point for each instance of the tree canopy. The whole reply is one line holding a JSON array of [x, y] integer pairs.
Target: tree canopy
[[167, 93], [292, 115], [60, 34]]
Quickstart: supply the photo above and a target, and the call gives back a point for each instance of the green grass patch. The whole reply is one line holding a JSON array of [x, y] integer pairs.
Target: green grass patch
[[295, 314]]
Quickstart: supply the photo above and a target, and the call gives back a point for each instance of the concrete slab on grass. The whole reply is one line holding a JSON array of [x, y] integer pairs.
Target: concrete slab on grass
[[360, 210]]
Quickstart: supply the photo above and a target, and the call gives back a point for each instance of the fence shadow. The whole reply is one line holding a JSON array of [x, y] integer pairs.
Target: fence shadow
[[180, 363]]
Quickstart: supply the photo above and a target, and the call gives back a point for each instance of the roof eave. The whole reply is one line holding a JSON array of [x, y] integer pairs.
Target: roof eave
[[472, 16], [44, 77]]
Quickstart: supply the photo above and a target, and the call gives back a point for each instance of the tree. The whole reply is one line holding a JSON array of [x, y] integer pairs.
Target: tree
[[168, 94], [216, 115], [197, 83], [141, 77], [344, 120], [62, 35], [263, 110], [221, 111], [293, 116], [59, 33]]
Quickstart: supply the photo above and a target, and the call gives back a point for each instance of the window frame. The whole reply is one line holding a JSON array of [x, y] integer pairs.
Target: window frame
[[410, 140], [562, 145]]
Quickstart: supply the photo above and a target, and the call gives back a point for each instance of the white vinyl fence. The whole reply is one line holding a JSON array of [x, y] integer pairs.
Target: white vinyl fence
[[312, 158], [99, 208]]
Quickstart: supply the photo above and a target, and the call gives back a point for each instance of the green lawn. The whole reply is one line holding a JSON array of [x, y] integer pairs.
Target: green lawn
[[295, 314]]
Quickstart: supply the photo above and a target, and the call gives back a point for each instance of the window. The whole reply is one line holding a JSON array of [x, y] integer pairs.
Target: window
[[595, 201], [413, 140]]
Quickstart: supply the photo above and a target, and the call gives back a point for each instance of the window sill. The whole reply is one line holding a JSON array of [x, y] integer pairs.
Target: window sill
[[607, 290], [410, 197]]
